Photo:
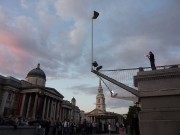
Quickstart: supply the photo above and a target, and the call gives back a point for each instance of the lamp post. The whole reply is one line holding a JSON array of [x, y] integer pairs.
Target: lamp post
[[95, 15]]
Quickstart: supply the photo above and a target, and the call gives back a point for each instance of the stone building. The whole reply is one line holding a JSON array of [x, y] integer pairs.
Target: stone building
[[82, 116], [70, 111], [30, 98], [75, 114], [100, 116]]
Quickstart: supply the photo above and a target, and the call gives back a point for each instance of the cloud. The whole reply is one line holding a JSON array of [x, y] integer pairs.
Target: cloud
[[121, 36], [134, 32], [24, 4], [117, 103], [57, 34], [25, 40], [68, 9], [111, 103], [85, 88]]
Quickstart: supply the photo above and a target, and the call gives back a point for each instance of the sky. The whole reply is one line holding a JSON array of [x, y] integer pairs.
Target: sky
[[58, 35]]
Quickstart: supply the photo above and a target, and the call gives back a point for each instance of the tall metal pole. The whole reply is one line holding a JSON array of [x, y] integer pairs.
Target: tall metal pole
[[95, 15], [92, 46]]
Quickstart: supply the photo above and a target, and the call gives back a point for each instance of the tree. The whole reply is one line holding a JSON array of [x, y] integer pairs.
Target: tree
[[133, 110]]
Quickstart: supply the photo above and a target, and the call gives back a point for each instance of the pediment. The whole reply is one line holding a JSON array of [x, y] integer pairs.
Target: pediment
[[95, 112]]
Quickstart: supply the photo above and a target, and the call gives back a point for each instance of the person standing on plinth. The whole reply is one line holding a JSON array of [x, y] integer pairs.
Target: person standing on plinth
[[152, 60]]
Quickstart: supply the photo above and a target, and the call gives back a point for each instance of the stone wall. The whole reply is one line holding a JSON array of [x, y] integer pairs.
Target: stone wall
[[21, 130], [160, 101]]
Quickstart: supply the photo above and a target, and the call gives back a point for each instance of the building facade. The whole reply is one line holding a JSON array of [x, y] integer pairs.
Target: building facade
[[31, 99]]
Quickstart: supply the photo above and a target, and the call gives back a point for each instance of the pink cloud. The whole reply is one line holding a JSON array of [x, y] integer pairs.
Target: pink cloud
[[12, 54], [10, 41]]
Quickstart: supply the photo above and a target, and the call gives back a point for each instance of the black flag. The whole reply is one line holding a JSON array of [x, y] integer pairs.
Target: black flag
[[96, 14]]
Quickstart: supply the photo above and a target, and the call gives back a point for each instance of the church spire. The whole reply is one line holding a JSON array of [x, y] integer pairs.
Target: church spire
[[100, 83], [100, 90], [100, 99]]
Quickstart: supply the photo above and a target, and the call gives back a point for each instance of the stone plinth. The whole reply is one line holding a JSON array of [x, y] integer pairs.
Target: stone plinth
[[160, 101]]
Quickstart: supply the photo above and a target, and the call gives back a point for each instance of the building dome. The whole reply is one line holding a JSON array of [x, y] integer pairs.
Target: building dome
[[37, 72], [36, 76]]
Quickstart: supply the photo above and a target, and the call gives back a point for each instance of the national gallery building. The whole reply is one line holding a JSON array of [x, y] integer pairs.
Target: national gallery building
[[31, 99]]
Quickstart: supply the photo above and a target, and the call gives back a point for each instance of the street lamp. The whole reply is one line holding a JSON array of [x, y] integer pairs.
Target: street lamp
[[95, 16]]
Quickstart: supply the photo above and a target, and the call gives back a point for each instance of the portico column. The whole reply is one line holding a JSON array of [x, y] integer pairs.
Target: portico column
[[57, 112], [35, 105], [22, 106], [60, 111], [54, 115], [3, 103], [44, 107], [63, 117], [52, 109], [29, 103], [65, 113], [69, 113], [47, 114]]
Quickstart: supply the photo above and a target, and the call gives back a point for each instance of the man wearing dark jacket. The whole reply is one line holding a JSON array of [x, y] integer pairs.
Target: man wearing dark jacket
[[152, 60]]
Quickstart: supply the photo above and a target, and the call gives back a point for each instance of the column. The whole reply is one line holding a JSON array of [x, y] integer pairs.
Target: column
[[63, 117], [60, 111], [3, 103], [51, 110], [69, 113], [65, 113], [22, 106], [54, 115], [35, 105], [29, 103], [62, 114], [44, 107], [57, 112], [47, 114]]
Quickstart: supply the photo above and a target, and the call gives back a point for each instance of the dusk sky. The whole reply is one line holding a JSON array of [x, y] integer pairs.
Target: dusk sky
[[57, 34]]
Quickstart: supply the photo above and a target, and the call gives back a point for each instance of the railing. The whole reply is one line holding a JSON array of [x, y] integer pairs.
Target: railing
[[126, 77], [145, 68]]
